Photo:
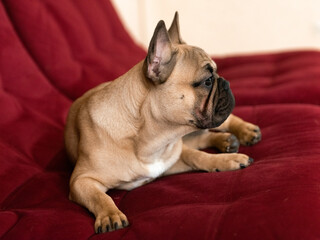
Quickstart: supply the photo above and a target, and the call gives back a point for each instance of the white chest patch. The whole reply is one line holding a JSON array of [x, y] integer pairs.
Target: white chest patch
[[156, 168]]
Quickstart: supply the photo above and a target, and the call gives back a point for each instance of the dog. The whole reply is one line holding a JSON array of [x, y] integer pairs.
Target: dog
[[151, 122]]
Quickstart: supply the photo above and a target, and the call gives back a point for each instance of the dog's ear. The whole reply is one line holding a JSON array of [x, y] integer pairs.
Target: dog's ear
[[174, 30], [161, 58]]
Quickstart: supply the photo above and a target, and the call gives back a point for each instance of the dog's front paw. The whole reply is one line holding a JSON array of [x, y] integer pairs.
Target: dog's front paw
[[233, 161], [110, 221], [248, 134], [230, 144], [225, 142]]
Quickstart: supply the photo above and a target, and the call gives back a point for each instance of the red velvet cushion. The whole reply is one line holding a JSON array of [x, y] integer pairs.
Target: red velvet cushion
[[52, 51]]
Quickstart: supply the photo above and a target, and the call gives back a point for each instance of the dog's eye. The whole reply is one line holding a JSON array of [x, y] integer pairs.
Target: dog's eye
[[208, 82]]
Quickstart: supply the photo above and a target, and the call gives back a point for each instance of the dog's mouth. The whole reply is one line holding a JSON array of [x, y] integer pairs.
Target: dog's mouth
[[213, 120], [222, 105], [223, 111]]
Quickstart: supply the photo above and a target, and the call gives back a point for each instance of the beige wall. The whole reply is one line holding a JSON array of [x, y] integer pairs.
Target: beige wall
[[229, 26]]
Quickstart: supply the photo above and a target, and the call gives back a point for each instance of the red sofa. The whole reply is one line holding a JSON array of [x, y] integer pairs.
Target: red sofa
[[52, 51]]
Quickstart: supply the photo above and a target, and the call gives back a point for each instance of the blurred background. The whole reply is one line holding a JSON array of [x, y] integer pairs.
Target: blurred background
[[229, 26]]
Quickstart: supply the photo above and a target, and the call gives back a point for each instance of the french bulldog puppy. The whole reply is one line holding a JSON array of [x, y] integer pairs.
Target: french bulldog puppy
[[150, 122]]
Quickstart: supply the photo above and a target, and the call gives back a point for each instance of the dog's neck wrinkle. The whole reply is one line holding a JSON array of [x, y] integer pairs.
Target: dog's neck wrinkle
[[156, 147], [156, 137]]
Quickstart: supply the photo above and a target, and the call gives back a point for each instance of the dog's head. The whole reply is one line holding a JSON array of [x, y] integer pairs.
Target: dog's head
[[184, 82]]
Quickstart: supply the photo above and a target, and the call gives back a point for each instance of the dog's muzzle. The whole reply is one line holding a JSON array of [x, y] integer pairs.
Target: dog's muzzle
[[222, 105], [225, 102]]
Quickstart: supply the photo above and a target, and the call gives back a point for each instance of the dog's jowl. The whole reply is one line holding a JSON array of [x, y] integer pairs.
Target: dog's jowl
[[151, 122]]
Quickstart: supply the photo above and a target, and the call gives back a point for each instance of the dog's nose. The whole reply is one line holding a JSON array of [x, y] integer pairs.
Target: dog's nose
[[224, 83]]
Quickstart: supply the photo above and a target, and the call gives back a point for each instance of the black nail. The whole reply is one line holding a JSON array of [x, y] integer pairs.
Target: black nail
[[217, 170], [115, 226], [242, 166], [251, 160], [108, 228], [99, 229], [124, 223]]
